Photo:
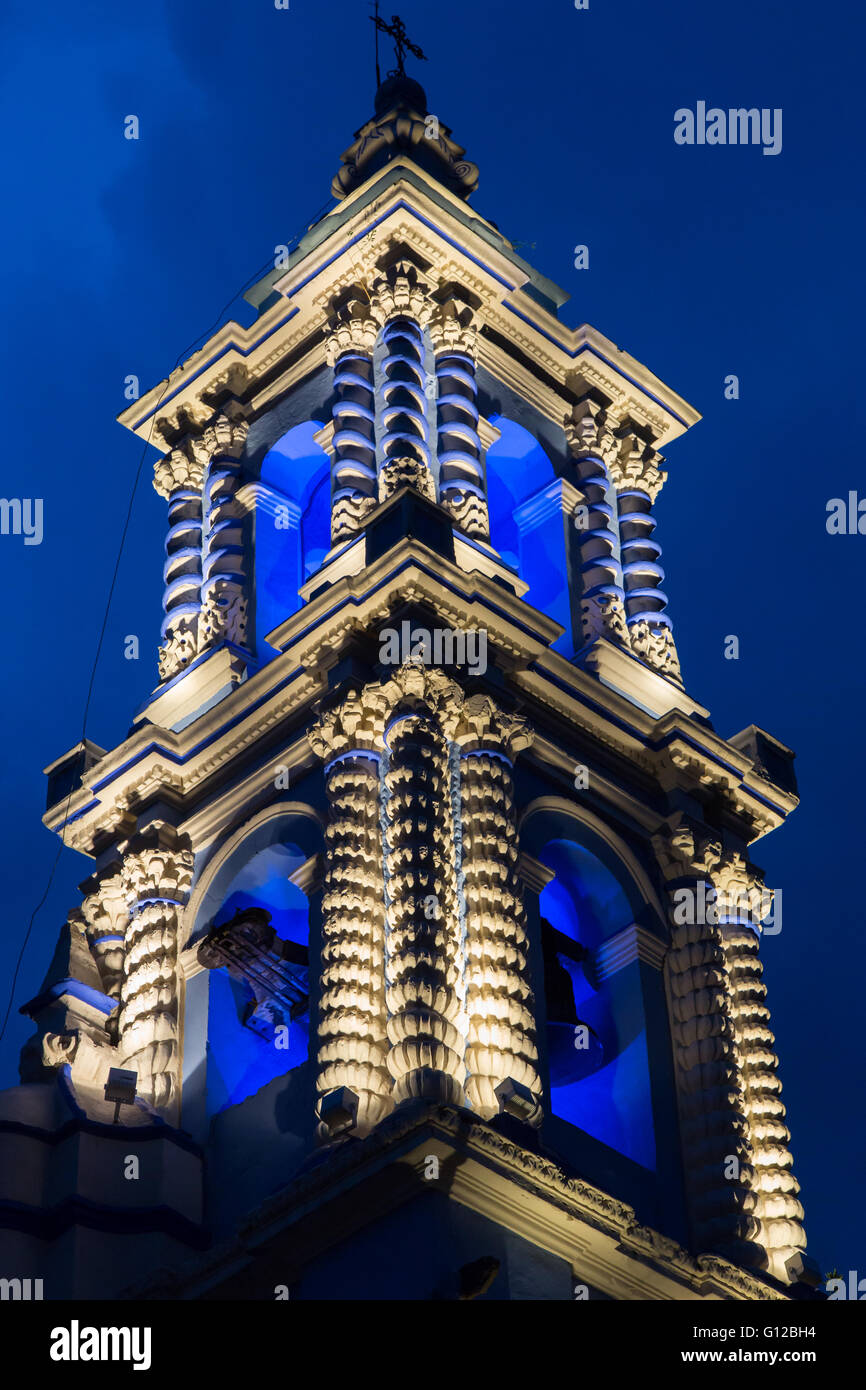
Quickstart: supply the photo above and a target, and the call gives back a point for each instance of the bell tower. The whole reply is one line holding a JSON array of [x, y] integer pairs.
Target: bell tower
[[422, 892]]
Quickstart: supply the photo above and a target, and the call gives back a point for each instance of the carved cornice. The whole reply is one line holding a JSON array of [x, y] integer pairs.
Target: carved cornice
[[649, 1257]]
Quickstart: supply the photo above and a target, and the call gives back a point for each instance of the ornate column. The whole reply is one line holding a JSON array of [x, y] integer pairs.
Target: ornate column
[[425, 960], [638, 479], [352, 1014], [499, 1003], [400, 302], [178, 478], [106, 914], [352, 333], [461, 475], [224, 597], [157, 872], [714, 1125], [593, 448], [743, 905]]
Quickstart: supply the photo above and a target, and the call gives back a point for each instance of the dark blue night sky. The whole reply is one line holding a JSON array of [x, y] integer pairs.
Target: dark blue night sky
[[703, 261]]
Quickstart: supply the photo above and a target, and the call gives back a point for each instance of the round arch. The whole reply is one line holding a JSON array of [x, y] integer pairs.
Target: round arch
[[293, 822], [552, 817]]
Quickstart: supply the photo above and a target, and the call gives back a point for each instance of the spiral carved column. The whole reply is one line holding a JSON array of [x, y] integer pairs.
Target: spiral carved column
[[352, 337], [714, 1125], [157, 872], [425, 966], [638, 480], [777, 1208], [106, 913], [461, 475], [400, 303], [224, 597], [499, 1002], [178, 478], [352, 1015], [593, 446]]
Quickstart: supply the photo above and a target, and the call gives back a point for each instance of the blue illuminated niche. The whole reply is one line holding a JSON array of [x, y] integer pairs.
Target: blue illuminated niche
[[611, 1100], [297, 470], [239, 1061], [527, 526]]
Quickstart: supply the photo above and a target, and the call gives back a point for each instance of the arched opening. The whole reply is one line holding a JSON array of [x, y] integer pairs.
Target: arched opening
[[253, 1034], [517, 467], [292, 526], [600, 1000]]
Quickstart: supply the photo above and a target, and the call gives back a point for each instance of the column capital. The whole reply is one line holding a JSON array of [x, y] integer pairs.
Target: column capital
[[351, 327], [589, 433], [452, 328], [484, 726], [157, 863], [180, 470], [400, 292], [686, 851], [637, 465], [104, 905], [225, 436]]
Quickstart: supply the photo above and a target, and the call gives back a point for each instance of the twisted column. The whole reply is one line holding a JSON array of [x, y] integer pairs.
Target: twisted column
[[178, 478], [425, 965], [461, 475], [777, 1209], [714, 1125], [400, 302], [638, 480], [593, 446], [352, 337], [106, 913], [224, 598], [157, 872], [499, 1002], [352, 1014]]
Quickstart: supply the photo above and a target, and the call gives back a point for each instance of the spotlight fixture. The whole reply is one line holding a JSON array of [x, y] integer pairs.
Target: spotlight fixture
[[338, 1110], [120, 1088]]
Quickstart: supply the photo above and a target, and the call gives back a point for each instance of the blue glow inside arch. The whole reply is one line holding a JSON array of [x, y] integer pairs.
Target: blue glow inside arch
[[517, 467], [298, 469], [532, 539], [599, 1079], [240, 1061]]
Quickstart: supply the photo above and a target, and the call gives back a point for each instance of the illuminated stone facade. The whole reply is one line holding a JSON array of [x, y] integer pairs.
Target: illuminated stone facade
[[399, 937]]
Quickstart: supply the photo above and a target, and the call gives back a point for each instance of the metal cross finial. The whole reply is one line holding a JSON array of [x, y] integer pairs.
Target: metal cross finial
[[402, 42]]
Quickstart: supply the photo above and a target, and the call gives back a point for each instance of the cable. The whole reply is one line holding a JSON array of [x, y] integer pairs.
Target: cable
[[182, 357]]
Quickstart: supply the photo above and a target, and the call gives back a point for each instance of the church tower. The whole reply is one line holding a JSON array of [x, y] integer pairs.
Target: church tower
[[422, 915]]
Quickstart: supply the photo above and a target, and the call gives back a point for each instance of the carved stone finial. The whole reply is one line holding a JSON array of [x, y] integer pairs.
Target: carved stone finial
[[405, 472]]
